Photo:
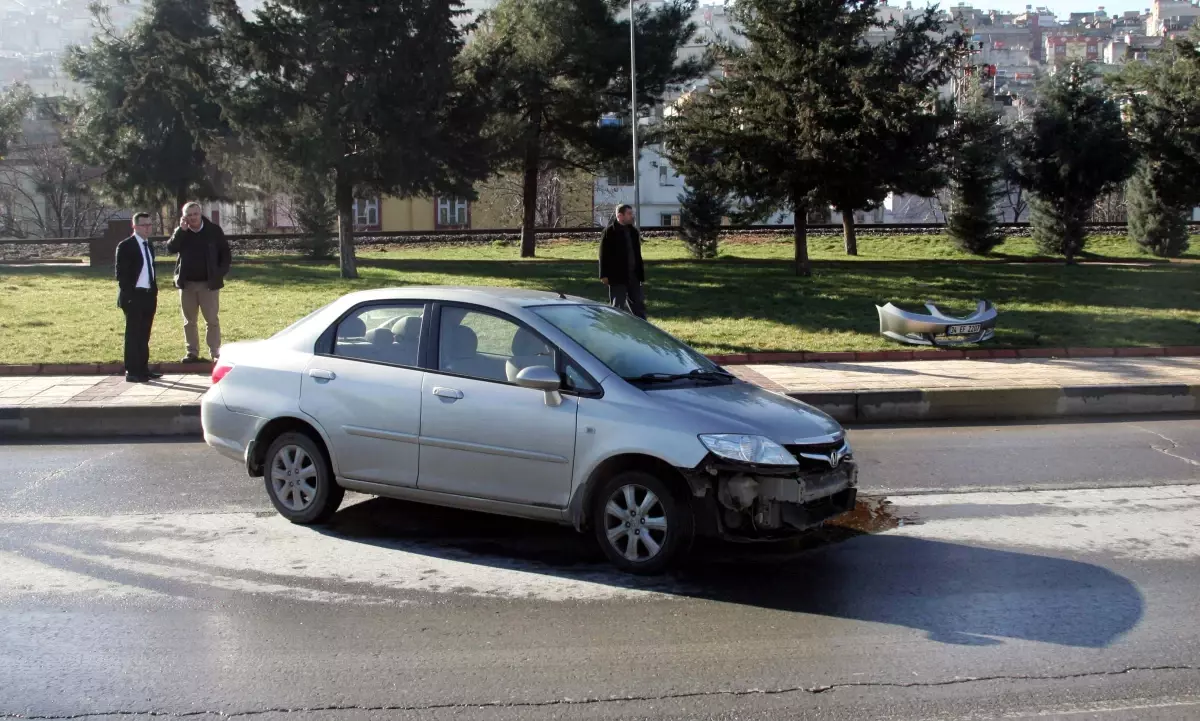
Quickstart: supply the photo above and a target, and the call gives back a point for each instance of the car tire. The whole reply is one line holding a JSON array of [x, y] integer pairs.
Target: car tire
[[299, 480], [654, 536]]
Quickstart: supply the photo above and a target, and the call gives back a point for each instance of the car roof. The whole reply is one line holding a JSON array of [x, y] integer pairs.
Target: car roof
[[482, 295]]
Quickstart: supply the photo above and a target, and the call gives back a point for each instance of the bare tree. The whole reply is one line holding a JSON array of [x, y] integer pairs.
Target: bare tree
[[504, 196], [45, 192], [1110, 208], [1013, 198]]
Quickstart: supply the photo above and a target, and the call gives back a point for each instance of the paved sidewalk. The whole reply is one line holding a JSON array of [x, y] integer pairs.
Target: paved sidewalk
[[856, 392], [1007, 373], [87, 391]]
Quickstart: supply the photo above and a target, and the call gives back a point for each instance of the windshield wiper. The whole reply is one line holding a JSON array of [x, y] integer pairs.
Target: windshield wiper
[[699, 373]]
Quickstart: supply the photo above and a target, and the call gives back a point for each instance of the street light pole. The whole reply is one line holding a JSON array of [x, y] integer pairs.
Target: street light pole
[[637, 181]]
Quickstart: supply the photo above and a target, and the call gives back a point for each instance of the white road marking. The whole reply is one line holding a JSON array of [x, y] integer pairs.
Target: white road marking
[[248, 553]]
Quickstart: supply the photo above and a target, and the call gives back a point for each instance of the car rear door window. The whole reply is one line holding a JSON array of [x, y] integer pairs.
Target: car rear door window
[[382, 334]]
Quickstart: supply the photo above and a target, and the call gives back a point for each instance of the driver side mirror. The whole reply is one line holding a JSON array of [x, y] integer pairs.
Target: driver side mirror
[[542, 378]]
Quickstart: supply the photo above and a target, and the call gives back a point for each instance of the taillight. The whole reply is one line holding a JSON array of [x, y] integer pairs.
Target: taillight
[[220, 370]]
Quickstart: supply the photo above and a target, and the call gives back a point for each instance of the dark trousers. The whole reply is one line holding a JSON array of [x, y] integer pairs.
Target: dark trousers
[[628, 298], [139, 311]]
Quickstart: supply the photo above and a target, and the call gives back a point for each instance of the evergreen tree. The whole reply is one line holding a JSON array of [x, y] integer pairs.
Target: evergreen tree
[[809, 113], [1073, 150], [366, 94], [891, 124], [14, 105], [551, 69], [315, 215], [1162, 98], [975, 172], [701, 211], [1154, 223], [148, 114]]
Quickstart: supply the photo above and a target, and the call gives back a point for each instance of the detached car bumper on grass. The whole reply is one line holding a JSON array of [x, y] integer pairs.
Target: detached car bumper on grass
[[935, 328]]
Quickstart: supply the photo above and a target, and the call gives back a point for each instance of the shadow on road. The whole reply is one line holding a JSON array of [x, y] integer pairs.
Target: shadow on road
[[957, 594]]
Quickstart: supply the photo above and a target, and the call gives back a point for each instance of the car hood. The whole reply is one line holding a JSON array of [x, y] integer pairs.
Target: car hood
[[746, 408]]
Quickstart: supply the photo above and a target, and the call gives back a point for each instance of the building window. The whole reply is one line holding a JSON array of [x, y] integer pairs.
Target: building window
[[366, 214], [452, 213], [620, 176], [664, 175], [668, 219]]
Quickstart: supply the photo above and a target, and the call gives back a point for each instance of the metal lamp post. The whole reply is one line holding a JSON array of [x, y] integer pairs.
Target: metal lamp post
[[637, 181]]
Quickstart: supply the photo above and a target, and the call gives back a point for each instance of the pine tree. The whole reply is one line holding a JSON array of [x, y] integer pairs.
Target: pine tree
[[1162, 97], [367, 94], [1073, 150], [809, 113], [701, 211], [315, 215], [1154, 223], [551, 69], [975, 171], [14, 104], [148, 113], [892, 126]]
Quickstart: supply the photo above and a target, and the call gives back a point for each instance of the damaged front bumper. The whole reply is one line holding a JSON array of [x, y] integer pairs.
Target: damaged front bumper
[[741, 502]]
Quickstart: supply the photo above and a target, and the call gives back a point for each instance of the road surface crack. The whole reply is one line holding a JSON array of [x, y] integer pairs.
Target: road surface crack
[[1168, 451], [609, 699]]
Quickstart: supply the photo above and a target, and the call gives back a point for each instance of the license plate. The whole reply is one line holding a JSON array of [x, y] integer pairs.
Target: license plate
[[963, 329]]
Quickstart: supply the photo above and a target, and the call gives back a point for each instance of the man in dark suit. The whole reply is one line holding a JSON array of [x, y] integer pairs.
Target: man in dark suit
[[621, 267], [137, 297]]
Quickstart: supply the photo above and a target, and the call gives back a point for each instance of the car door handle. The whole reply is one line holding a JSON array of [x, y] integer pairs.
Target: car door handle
[[322, 374], [447, 392]]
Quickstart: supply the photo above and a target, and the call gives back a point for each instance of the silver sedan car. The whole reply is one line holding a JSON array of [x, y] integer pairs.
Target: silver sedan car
[[529, 404]]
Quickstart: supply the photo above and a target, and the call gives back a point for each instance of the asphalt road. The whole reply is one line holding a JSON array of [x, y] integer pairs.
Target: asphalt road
[[1044, 571]]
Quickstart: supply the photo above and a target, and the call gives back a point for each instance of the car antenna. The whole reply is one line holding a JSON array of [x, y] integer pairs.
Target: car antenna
[[560, 294]]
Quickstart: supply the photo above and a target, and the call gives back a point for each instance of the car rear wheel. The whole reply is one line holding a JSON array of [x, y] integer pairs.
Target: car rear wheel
[[640, 523], [300, 481]]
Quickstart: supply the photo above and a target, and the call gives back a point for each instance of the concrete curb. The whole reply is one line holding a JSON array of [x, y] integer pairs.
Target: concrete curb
[[100, 421], [987, 404], [83, 369], [891, 406]]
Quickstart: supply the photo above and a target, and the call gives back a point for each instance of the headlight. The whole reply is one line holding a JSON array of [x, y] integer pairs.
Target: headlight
[[748, 449]]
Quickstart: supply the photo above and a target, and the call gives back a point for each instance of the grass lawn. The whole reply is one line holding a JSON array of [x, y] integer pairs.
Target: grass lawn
[[747, 300]]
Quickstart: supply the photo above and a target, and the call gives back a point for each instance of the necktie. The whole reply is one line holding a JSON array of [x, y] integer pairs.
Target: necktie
[[149, 261]]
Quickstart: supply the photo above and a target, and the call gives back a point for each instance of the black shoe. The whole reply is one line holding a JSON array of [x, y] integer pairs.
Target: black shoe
[[135, 378], [193, 359], [153, 376]]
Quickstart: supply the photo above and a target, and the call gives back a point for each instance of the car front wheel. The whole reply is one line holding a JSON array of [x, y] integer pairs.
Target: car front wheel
[[300, 480], [641, 525]]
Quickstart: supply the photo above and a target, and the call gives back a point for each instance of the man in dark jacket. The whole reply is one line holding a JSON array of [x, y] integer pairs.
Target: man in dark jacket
[[621, 267], [137, 297], [200, 270]]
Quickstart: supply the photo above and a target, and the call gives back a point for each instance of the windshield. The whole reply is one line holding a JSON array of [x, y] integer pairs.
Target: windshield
[[629, 346]]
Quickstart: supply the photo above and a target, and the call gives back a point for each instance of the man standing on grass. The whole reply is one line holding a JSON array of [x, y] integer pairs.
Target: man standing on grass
[[137, 297], [621, 267], [200, 270]]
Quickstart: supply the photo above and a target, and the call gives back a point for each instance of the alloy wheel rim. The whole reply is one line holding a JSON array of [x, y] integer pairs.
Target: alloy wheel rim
[[635, 523], [294, 478]]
